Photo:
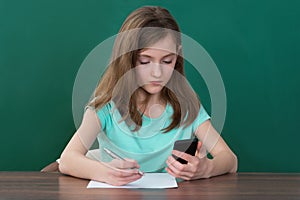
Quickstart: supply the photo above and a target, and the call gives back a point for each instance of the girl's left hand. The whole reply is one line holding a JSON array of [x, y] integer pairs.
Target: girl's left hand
[[196, 167]]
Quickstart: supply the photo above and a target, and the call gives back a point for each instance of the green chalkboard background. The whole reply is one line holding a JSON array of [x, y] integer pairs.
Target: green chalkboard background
[[254, 43]]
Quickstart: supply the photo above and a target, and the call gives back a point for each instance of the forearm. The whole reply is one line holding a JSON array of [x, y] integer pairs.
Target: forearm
[[80, 166], [224, 162]]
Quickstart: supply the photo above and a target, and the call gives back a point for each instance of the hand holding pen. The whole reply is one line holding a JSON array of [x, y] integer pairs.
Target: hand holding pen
[[116, 156]]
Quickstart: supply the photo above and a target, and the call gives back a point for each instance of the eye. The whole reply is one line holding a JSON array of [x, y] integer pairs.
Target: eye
[[167, 61], [144, 62]]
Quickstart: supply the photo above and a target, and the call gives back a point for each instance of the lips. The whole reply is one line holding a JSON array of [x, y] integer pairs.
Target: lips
[[156, 82]]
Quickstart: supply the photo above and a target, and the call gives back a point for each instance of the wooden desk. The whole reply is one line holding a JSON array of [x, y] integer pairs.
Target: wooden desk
[[36, 185]]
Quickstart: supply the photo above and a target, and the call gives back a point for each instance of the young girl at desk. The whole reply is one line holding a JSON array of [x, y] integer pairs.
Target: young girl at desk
[[141, 106]]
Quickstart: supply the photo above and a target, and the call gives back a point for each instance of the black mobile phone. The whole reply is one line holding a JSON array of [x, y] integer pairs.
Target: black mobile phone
[[188, 146]]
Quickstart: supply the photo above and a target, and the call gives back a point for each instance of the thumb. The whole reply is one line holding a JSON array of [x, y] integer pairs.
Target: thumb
[[199, 145]]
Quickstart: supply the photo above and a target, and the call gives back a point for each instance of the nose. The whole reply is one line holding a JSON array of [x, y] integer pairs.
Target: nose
[[156, 70]]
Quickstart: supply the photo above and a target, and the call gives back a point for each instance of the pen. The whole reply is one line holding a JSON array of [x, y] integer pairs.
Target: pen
[[116, 156]]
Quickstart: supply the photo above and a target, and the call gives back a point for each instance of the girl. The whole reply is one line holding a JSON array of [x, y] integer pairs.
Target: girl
[[141, 106]]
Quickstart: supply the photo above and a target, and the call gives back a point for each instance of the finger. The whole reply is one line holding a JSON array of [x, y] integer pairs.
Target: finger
[[174, 170], [176, 176], [124, 180], [183, 155], [120, 172], [133, 161], [203, 152], [124, 172], [172, 173], [199, 145], [178, 168], [172, 161], [124, 164]]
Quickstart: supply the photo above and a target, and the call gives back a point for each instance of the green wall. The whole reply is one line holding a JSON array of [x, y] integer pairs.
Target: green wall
[[254, 43]]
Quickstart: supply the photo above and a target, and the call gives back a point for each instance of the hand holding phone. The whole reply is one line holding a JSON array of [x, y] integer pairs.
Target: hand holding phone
[[188, 146]]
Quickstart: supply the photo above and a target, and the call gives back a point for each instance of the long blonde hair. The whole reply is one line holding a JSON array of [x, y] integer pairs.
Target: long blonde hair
[[184, 100]]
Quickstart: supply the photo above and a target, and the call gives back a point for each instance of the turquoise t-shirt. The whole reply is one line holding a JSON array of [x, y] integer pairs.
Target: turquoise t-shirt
[[149, 146]]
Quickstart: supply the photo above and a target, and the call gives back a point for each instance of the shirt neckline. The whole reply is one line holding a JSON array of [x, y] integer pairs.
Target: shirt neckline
[[159, 117]]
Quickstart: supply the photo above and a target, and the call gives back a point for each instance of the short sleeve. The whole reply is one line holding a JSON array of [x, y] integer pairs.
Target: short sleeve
[[89, 128], [202, 117], [103, 114]]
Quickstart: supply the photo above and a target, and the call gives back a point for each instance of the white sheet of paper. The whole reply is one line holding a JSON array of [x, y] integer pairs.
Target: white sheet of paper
[[149, 180]]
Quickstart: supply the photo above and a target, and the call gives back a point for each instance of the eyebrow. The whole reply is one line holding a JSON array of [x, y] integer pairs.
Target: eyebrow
[[145, 55]]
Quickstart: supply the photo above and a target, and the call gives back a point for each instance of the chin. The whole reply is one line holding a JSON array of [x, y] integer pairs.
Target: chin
[[153, 89]]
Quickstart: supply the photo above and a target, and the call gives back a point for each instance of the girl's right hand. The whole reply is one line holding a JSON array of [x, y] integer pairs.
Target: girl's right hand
[[121, 172]]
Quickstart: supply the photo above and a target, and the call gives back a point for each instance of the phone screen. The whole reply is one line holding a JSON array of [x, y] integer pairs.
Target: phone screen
[[188, 146]]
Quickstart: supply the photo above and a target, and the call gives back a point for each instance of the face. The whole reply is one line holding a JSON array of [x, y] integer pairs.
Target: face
[[155, 65]]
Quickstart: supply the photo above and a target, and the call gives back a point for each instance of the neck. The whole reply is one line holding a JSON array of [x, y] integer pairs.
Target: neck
[[154, 107], [153, 99]]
